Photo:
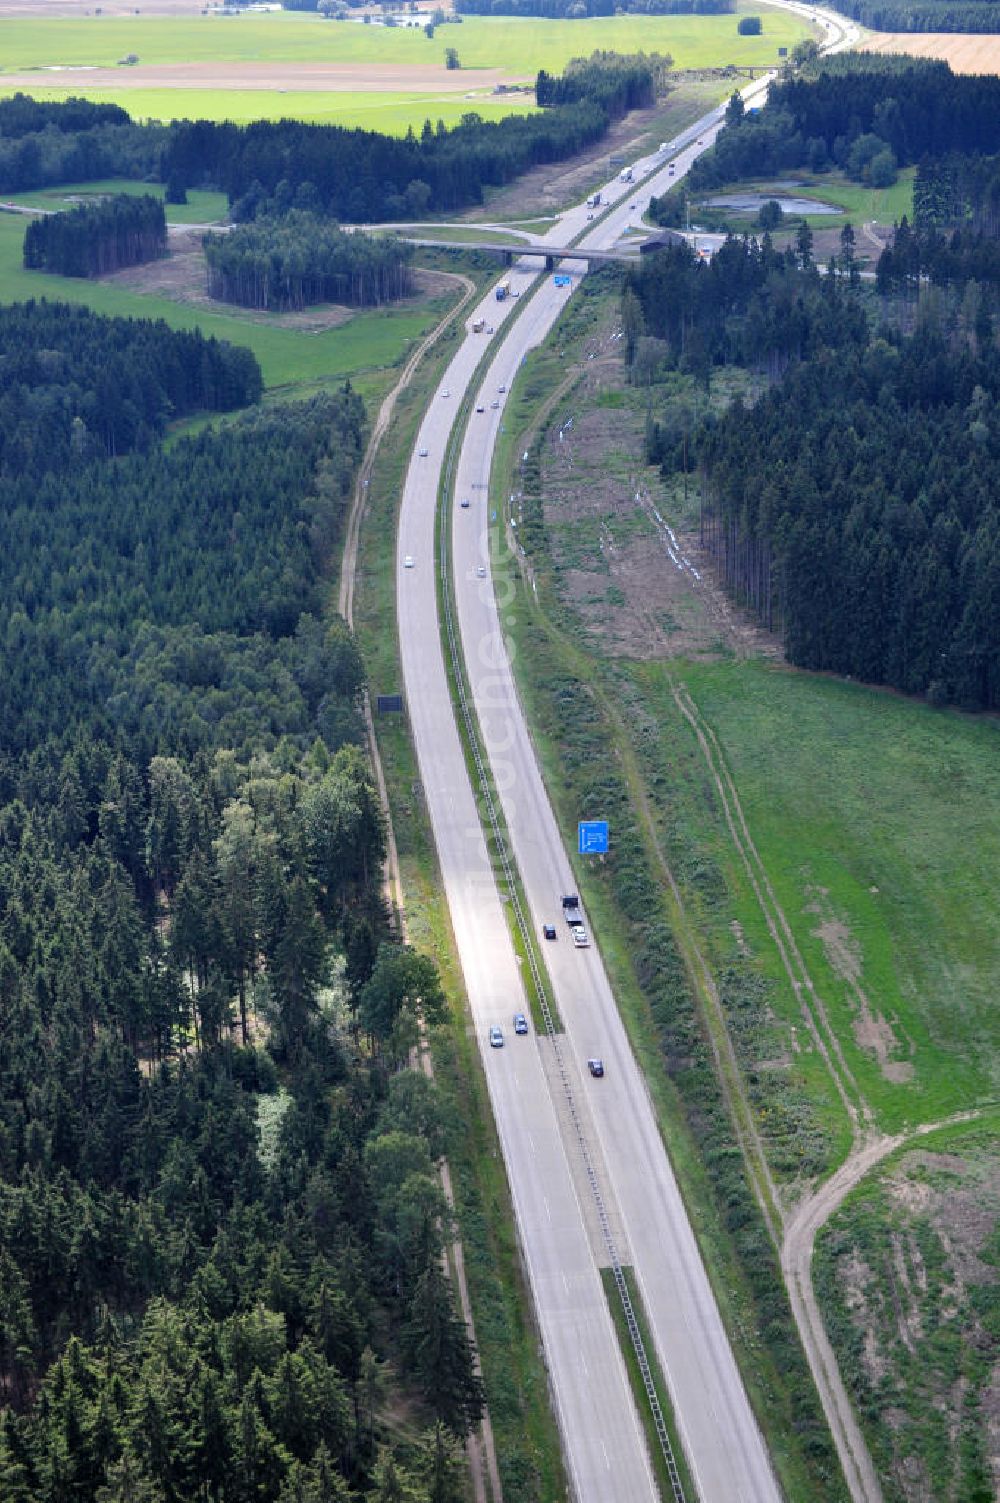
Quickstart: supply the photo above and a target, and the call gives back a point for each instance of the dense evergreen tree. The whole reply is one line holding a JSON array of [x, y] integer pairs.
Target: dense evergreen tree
[[357, 175], [578, 9], [214, 1212], [922, 15], [298, 259], [856, 508], [861, 112], [91, 240], [75, 387]]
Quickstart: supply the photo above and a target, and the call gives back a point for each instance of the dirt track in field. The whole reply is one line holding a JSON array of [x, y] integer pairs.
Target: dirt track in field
[[326, 78], [965, 53]]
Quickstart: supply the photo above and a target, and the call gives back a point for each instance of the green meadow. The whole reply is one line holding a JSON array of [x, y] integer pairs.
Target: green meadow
[[877, 819], [368, 343], [392, 114], [856, 201]]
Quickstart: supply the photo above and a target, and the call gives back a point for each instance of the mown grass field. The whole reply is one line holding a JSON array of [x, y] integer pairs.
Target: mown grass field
[[520, 46], [367, 344], [516, 47]]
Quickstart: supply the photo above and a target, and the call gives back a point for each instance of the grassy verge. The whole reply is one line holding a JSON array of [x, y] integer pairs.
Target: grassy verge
[[525, 1433], [573, 700], [462, 233], [638, 1387]]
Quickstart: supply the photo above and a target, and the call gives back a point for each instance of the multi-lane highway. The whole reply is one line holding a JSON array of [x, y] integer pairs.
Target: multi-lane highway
[[528, 1079]]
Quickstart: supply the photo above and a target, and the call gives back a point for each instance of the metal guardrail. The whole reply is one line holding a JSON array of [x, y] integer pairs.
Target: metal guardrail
[[511, 877]]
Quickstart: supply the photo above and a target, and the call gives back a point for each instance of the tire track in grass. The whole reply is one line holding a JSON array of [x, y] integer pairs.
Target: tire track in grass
[[813, 1009]]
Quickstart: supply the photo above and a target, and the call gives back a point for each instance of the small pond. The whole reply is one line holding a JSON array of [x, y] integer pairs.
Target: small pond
[[751, 203]]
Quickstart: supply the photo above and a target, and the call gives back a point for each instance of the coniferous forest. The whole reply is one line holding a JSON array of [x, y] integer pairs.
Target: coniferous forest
[[220, 1225], [855, 506], [298, 259], [92, 240], [352, 175]]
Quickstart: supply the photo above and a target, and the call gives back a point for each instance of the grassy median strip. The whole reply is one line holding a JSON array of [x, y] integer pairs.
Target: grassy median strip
[[638, 1387], [525, 1433]]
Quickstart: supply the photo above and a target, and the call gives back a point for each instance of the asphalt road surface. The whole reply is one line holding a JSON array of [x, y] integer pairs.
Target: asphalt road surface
[[560, 1240]]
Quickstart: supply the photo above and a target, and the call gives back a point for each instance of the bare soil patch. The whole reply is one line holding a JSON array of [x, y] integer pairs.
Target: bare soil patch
[[966, 53], [325, 78], [181, 278], [639, 585]]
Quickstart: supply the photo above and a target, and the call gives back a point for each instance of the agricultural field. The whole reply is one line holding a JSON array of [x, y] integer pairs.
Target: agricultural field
[[297, 64], [962, 51]]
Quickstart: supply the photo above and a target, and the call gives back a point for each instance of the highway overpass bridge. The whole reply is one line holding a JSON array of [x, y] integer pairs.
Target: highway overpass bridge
[[547, 252]]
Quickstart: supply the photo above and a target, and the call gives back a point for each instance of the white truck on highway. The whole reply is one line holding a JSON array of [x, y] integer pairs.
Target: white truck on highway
[[574, 918], [625, 176], [593, 201]]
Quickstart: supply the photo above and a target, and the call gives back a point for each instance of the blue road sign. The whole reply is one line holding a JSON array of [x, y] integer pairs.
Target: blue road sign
[[593, 836]]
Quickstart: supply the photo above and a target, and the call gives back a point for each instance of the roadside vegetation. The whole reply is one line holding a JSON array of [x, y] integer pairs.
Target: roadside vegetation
[[584, 727], [818, 845], [526, 1438], [364, 349]]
